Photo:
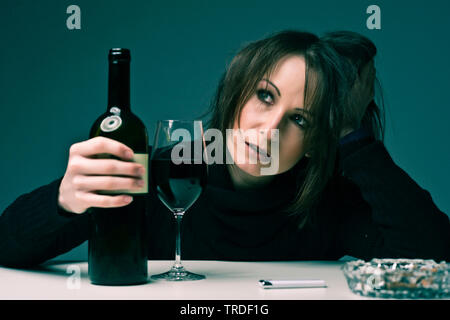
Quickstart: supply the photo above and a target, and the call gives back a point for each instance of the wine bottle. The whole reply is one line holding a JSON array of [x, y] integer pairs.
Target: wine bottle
[[117, 240]]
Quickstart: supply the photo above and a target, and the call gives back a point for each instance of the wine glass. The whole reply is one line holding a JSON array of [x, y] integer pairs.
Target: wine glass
[[178, 177]]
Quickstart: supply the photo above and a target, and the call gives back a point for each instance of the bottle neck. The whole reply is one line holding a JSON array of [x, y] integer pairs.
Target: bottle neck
[[119, 84]]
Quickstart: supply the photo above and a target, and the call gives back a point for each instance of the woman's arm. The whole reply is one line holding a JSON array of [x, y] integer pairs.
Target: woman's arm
[[54, 219], [34, 228], [396, 218]]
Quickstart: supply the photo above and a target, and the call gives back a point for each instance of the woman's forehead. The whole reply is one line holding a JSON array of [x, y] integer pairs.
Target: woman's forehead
[[289, 73]]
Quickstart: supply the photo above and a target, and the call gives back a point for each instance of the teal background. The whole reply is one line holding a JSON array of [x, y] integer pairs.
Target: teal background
[[53, 81]]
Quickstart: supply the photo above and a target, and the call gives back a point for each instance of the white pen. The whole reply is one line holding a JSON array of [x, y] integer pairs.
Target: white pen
[[295, 283]]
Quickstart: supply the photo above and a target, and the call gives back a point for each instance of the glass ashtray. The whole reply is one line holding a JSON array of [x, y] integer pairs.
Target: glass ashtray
[[398, 278]]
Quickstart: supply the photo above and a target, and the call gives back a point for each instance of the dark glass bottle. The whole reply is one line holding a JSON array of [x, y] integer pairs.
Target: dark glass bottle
[[118, 241]]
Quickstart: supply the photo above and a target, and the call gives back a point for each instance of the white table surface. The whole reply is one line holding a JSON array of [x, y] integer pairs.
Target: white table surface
[[224, 281]]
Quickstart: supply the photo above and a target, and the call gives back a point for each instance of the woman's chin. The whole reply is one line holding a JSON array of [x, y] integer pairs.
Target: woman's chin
[[252, 169]]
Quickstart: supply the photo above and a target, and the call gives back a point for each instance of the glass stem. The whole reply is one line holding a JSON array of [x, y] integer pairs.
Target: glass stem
[[178, 218]]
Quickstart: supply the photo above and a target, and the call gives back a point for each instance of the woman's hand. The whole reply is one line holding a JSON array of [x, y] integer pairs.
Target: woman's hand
[[85, 175], [360, 96]]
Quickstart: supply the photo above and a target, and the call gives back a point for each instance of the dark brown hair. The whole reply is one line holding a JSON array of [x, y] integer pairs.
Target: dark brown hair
[[359, 50], [324, 89]]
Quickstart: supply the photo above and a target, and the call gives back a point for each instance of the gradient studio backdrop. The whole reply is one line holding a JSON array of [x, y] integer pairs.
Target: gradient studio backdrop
[[53, 81]]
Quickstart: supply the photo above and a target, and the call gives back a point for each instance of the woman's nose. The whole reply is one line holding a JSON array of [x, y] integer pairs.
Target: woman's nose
[[274, 121], [271, 128]]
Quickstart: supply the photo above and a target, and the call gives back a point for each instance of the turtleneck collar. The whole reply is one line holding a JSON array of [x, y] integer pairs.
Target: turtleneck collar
[[278, 193]]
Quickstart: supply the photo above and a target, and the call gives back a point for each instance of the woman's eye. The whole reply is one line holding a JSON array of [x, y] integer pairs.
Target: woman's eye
[[265, 96], [300, 121]]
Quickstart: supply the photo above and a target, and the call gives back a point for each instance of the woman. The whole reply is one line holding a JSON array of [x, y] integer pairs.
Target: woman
[[313, 208]]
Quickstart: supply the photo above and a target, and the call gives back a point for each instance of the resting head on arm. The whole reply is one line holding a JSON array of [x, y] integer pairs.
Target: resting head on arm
[[86, 175], [360, 109], [360, 96]]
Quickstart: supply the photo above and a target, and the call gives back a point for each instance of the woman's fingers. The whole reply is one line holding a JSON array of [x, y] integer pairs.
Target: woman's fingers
[[101, 145], [86, 166], [102, 201], [110, 183], [86, 174]]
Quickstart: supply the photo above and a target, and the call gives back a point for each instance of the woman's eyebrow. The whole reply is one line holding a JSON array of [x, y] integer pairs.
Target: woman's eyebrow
[[305, 111], [273, 85]]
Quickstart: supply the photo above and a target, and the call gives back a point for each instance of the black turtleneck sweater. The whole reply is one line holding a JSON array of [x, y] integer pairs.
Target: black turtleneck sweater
[[371, 208]]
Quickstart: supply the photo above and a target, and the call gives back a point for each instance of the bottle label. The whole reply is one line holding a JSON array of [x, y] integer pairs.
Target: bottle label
[[141, 158]]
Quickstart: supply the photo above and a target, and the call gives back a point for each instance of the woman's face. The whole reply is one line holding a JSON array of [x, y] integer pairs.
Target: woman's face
[[278, 103]]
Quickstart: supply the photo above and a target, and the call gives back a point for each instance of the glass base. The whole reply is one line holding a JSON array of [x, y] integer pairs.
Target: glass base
[[177, 274]]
